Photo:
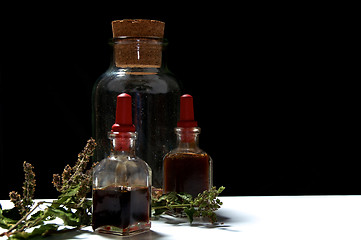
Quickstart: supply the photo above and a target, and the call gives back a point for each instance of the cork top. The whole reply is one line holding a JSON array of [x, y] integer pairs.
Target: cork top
[[138, 28]]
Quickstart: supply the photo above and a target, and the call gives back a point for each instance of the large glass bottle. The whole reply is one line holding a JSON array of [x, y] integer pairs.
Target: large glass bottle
[[138, 69], [122, 181], [187, 168]]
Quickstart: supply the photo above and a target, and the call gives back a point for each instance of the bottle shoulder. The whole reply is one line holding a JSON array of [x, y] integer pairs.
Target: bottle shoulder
[[183, 152], [123, 163], [130, 172], [114, 79]]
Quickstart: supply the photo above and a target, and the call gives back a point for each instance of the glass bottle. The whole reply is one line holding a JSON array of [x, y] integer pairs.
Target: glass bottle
[[187, 168], [122, 181], [138, 69]]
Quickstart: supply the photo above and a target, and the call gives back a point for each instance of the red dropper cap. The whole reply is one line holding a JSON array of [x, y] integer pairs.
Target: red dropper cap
[[186, 119], [123, 117]]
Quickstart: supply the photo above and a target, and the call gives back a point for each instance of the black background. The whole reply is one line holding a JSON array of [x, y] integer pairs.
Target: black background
[[277, 114]]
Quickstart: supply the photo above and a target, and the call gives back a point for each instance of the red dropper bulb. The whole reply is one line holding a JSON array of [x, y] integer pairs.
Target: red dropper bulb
[[186, 119], [123, 117]]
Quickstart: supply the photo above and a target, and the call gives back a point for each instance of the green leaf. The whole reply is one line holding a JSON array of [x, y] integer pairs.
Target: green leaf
[[190, 212], [171, 197], [37, 233], [8, 217], [68, 217], [185, 196], [220, 190]]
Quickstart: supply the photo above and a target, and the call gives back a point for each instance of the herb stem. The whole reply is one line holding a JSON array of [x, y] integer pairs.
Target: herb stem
[[172, 206], [23, 218]]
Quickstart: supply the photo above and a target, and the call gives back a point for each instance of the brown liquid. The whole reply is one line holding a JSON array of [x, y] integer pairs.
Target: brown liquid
[[119, 207], [186, 172]]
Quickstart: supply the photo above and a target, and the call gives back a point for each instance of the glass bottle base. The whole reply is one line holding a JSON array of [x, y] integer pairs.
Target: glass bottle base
[[129, 231]]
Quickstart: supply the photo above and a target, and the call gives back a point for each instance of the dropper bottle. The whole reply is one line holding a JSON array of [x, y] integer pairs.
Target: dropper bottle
[[187, 168], [122, 181]]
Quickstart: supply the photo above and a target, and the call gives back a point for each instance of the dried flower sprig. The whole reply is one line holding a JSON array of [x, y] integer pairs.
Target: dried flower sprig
[[72, 206], [24, 204], [71, 176]]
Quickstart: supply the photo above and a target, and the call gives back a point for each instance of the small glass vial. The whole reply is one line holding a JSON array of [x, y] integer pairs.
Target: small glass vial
[[122, 181], [187, 168]]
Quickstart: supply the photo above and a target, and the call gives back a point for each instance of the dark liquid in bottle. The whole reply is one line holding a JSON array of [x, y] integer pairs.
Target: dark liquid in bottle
[[120, 207], [186, 172]]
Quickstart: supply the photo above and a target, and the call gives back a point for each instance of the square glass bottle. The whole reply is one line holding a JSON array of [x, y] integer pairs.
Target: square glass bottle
[[122, 181]]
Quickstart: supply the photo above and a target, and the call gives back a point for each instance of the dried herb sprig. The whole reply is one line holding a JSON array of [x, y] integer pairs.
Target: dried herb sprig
[[24, 204], [72, 176], [71, 206], [204, 205]]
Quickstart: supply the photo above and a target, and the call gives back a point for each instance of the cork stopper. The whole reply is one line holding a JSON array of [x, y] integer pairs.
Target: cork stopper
[[142, 28], [138, 43]]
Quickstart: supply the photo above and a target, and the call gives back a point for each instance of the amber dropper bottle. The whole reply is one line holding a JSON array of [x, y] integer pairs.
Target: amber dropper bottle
[[187, 168]]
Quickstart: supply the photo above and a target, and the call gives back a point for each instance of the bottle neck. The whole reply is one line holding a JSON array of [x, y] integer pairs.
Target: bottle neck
[[130, 52], [188, 138], [122, 143]]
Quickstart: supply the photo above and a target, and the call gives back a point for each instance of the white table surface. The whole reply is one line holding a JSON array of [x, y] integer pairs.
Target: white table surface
[[276, 217]]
